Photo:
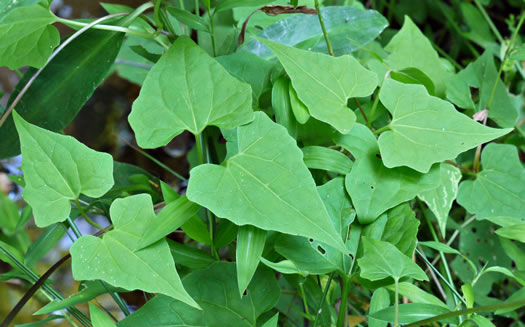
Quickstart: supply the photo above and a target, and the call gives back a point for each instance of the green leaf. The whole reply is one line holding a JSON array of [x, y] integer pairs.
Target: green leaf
[[116, 259], [283, 267], [27, 37], [90, 290], [410, 48], [373, 187], [324, 83], [10, 5], [47, 240], [265, 184], [298, 108], [251, 69], [272, 322], [250, 246], [318, 157], [483, 75], [57, 169], [41, 322], [401, 229], [412, 312], [99, 318], [193, 21], [185, 255], [380, 300], [439, 200], [9, 216], [215, 289], [230, 4], [174, 215], [349, 29], [413, 75], [382, 260], [425, 129], [416, 295], [282, 107], [438, 246], [518, 53], [158, 116], [513, 232], [499, 189], [63, 87]]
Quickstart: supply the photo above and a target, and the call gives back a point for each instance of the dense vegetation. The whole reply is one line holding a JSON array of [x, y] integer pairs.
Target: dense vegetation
[[354, 164]]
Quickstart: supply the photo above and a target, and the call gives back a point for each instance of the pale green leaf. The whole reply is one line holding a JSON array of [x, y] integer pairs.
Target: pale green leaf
[[272, 322], [281, 105], [382, 260], [439, 200], [215, 289], [265, 184], [201, 93], [298, 108], [442, 247], [99, 318], [250, 246], [10, 5], [513, 232], [499, 189], [9, 216], [412, 312], [417, 295], [401, 229], [57, 169], [410, 48], [27, 37], [116, 259], [318, 157], [283, 266], [483, 75], [324, 83], [380, 300], [373, 187], [425, 129]]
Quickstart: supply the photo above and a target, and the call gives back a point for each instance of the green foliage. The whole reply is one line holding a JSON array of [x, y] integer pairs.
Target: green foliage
[[328, 151]]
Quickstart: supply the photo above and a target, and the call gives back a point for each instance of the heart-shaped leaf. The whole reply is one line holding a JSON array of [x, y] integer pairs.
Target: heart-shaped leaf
[[201, 93], [57, 169], [324, 83], [425, 129], [265, 184], [116, 259]]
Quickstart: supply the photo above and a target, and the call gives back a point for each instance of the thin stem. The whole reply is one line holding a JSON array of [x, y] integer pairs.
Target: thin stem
[[341, 319], [446, 55], [396, 305], [376, 100], [85, 216], [323, 27], [451, 287], [53, 55], [158, 162], [106, 28], [325, 293], [487, 308], [489, 21], [382, 129], [361, 110], [305, 302], [156, 14]]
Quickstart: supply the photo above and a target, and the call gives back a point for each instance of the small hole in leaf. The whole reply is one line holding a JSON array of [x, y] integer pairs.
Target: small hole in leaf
[[321, 250], [474, 229], [378, 156], [245, 293], [311, 240], [350, 255], [371, 187]]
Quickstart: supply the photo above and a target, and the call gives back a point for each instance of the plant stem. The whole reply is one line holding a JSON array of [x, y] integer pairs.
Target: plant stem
[[53, 55], [325, 293], [341, 319], [376, 100], [85, 216], [212, 34], [396, 303], [382, 129], [489, 21], [488, 308], [106, 28], [323, 27]]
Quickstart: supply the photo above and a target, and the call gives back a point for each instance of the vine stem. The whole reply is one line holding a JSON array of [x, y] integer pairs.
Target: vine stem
[[85, 216], [396, 305], [323, 27], [376, 100], [107, 28], [341, 319], [53, 55]]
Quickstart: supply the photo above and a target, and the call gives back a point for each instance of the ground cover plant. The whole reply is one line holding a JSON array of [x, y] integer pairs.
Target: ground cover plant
[[354, 163]]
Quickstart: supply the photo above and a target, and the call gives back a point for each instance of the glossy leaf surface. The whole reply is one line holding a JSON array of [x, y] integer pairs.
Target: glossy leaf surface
[[185, 69], [265, 184], [324, 84], [425, 129], [58, 169], [116, 259]]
